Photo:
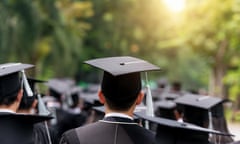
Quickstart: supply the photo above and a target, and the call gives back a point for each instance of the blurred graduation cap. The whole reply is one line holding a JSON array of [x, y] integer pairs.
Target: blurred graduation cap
[[73, 96], [10, 82], [199, 101], [27, 101], [57, 88], [170, 96], [165, 109], [90, 96], [122, 65], [33, 81], [173, 132], [123, 72], [197, 108]]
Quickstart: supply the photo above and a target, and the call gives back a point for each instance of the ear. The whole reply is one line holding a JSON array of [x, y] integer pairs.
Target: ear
[[19, 95], [101, 97], [140, 98], [34, 104]]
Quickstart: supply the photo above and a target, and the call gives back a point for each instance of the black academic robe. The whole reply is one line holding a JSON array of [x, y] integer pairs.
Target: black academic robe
[[41, 134], [17, 128], [110, 130], [67, 121], [171, 135]]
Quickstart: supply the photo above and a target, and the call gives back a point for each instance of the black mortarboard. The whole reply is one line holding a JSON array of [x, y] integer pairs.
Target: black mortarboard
[[9, 78], [170, 96], [27, 101], [122, 65], [121, 76], [32, 82], [199, 101], [89, 95], [197, 108], [165, 109], [173, 132], [57, 87]]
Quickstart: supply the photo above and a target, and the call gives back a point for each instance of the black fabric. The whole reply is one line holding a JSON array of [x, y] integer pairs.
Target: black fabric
[[14, 130], [70, 138], [196, 116], [106, 132], [220, 124], [9, 85], [67, 121], [41, 136], [168, 135]]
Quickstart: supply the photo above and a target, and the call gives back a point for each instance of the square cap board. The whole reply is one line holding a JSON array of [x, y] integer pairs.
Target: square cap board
[[9, 68], [59, 86], [177, 125], [198, 101], [122, 65]]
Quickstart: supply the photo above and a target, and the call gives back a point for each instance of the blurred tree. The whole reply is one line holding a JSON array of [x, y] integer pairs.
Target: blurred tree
[[127, 27], [212, 29], [45, 33]]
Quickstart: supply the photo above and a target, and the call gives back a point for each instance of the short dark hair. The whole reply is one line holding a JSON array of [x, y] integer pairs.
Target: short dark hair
[[9, 99], [10, 85], [121, 91]]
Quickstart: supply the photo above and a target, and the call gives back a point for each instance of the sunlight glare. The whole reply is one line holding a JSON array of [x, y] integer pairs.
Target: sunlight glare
[[175, 5]]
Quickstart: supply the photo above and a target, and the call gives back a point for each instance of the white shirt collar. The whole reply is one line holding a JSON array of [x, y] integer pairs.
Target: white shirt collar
[[112, 114], [6, 110]]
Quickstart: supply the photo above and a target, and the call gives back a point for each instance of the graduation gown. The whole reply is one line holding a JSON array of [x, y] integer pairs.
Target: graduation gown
[[41, 135], [17, 128], [110, 130], [67, 121]]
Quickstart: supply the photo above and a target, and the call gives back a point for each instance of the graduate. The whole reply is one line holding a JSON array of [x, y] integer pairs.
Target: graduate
[[32, 105], [205, 111], [15, 128], [120, 93]]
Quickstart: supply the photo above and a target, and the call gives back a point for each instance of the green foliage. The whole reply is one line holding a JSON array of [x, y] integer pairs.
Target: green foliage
[[42, 32], [58, 35]]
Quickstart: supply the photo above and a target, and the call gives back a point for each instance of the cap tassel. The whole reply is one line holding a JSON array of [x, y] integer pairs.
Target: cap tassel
[[42, 110], [210, 126], [149, 102], [26, 84], [69, 100]]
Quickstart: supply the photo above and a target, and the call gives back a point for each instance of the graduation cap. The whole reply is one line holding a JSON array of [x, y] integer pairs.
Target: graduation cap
[[33, 81], [173, 132], [57, 87], [197, 108], [165, 109], [10, 82], [73, 95], [121, 81], [199, 101], [27, 101], [170, 96]]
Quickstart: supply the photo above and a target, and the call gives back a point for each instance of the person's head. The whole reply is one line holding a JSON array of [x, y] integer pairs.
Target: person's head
[[176, 86], [58, 88], [10, 89], [11, 85], [121, 82], [121, 92]]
